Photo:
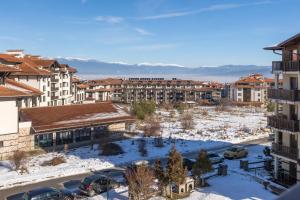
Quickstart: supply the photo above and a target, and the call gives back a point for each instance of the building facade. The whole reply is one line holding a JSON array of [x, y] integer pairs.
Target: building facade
[[251, 89], [155, 89], [285, 122]]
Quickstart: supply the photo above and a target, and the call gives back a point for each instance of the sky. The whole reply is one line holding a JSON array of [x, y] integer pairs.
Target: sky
[[191, 33]]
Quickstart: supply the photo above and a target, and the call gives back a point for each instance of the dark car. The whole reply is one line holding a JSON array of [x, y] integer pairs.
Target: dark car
[[45, 193], [97, 184], [215, 158], [188, 163]]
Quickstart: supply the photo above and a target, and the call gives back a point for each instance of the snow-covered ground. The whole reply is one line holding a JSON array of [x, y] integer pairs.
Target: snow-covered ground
[[236, 185], [216, 129]]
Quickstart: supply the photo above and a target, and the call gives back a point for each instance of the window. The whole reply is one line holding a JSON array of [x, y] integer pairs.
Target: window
[[1, 144], [239, 94], [258, 94], [43, 140], [82, 134], [44, 88], [64, 138], [44, 98]]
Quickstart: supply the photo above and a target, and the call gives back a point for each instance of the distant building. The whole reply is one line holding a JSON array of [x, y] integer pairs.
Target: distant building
[[155, 89], [286, 121], [251, 89]]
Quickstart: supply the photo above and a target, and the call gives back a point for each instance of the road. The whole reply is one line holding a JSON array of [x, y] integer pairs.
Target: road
[[74, 180]]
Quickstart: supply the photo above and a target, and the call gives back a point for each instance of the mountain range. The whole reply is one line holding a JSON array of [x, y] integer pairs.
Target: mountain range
[[99, 68]]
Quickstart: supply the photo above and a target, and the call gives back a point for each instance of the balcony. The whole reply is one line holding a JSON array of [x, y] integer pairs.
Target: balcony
[[282, 123], [53, 79], [281, 94], [291, 66], [285, 151], [54, 97], [277, 66], [286, 66], [54, 88]]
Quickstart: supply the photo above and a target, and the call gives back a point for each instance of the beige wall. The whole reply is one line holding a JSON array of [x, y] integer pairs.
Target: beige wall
[[8, 116]]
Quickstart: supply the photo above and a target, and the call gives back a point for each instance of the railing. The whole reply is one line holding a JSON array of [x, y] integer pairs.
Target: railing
[[289, 66], [54, 97], [285, 178], [285, 151], [281, 94], [280, 122], [277, 66], [54, 79], [54, 88]]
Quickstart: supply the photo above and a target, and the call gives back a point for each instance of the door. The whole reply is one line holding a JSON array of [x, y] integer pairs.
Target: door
[[280, 138], [293, 141], [292, 172], [293, 112], [293, 83]]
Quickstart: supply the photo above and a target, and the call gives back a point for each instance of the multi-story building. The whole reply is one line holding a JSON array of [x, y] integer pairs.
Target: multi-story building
[[156, 89], [251, 89], [285, 122], [51, 127], [78, 91], [48, 76]]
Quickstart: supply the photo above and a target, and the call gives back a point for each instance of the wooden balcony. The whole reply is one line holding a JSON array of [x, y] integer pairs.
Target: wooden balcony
[[282, 123], [277, 66], [281, 94], [291, 66], [285, 151], [286, 66]]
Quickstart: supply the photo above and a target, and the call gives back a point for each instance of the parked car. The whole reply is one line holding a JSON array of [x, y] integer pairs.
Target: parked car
[[188, 163], [44, 193], [215, 158], [97, 184], [235, 152]]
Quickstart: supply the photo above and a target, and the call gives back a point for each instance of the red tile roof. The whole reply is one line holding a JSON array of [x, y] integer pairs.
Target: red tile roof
[[9, 92], [28, 89], [46, 119], [6, 68]]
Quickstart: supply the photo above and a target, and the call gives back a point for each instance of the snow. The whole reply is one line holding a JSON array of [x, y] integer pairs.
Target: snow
[[233, 186], [217, 129]]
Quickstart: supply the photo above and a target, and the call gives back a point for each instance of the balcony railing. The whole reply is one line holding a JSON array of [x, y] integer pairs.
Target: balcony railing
[[54, 79], [286, 66], [285, 151], [281, 94], [54, 97], [54, 88], [277, 66], [281, 122], [290, 66]]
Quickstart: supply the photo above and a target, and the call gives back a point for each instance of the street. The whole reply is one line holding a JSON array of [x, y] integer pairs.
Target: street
[[71, 182]]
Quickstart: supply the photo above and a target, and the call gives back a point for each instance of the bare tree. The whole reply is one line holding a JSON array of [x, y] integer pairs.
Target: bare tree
[[152, 127], [187, 121], [140, 180], [18, 159]]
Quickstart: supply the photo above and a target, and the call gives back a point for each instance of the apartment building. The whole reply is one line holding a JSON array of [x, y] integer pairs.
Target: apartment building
[[50, 77], [78, 91], [51, 127], [285, 122], [156, 89], [251, 89]]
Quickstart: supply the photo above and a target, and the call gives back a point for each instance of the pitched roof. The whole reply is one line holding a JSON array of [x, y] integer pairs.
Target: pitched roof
[[290, 41], [7, 68], [73, 116], [10, 92], [23, 87]]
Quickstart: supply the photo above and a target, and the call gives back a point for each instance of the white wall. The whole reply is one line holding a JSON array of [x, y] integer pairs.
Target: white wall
[[8, 116]]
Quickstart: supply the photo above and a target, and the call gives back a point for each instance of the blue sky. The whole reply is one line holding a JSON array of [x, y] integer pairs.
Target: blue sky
[[186, 32]]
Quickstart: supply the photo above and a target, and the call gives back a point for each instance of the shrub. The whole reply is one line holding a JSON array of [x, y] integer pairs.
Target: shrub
[[18, 159], [202, 165], [111, 149], [271, 107], [140, 181], [187, 121], [143, 109], [180, 107], [152, 127], [57, 160]]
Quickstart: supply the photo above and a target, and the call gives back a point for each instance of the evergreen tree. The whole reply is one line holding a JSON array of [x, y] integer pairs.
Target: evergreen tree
[[160, 174], [202, 165], [176, 173]]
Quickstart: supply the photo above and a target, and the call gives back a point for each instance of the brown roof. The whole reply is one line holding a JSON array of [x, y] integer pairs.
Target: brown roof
[[6, 68], [82, 86], [28, 89], [290, 41], [72, 70], [73, 116], [100, 90], [9, 92]]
